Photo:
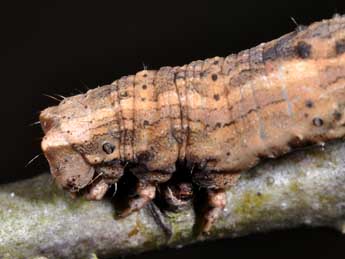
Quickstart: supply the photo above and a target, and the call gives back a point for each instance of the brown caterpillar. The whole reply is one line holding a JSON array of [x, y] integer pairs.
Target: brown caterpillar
[[218, 117]]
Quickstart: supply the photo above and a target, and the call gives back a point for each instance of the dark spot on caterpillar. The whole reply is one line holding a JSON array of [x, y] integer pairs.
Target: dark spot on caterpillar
[[228, 153], [145, 156], [309, 103], [145, 123], [85, 106], [337, 115], [318, 122], [218, 125], [303, 49], [306, 115], [108, 148], [340, 46], [144, 75], [143, 99], [216, 62], [144, 87], [214, 77], [216, 97]]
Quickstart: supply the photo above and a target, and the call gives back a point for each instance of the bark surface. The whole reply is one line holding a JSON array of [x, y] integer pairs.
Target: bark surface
[[304, 188]]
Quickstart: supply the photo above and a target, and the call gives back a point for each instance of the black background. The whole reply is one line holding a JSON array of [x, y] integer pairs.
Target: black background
[[56, 47]]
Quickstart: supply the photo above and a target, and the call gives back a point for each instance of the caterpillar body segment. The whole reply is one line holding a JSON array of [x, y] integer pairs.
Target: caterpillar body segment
[[217, 117]]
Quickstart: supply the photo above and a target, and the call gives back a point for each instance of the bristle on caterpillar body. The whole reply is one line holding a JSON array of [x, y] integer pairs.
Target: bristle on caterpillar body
[[219, 116]]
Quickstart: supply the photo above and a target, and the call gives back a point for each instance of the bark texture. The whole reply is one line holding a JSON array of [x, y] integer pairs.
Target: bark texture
[[38, 220]]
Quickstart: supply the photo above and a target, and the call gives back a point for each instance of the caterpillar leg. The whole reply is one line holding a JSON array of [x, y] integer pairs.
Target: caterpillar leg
[[97, 190], [215, 184], [177, 196], [145, 192], [216, 201], [106, 176]]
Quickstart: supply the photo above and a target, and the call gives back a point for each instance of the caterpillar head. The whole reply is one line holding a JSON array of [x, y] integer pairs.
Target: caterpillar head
[[68, 167], [79, 143]]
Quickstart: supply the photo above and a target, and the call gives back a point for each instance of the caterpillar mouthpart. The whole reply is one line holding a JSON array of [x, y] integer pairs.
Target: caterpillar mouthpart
[[68, 168]]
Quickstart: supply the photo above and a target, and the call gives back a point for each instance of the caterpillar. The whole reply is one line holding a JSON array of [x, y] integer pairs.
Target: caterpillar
[[217, 117]]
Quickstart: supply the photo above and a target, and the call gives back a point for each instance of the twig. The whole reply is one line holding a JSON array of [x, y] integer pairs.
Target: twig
[[304, 188]]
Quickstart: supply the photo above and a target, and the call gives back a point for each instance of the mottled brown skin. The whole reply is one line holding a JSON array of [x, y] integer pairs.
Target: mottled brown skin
[[220, 116]]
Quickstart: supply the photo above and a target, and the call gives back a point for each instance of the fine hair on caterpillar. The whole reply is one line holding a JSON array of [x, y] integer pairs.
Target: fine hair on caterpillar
[[217, 117]]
